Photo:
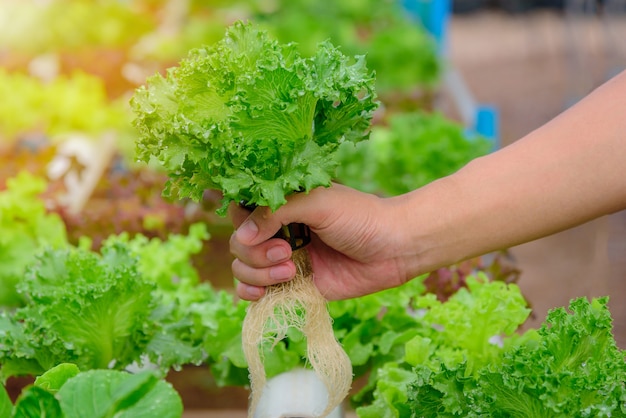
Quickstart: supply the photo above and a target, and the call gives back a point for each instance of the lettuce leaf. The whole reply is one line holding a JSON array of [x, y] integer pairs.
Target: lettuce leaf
[[107, 393], [412, 150], [570, 367], [139, 300], [466, 326], [471, 324], [6, 405], [81, 308], [65, 391], [252, 118], [26, 227], [165, 262]]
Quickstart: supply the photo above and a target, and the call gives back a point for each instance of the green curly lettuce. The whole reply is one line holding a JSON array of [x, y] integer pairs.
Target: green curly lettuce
[[80, 308], [569, 367], [166, 262], [139, 302], [26, 227], [252, 118], [466, 328]]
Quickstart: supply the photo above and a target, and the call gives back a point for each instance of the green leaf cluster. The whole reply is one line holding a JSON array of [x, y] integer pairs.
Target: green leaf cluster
[[190, 322], [471, 364], [66, 392], [384, 334], [252, 118], [65, 105], [570, 367], [26, 227], [198, 324], [123, 308], [81, 308], [374, 329], [411, 150], [61, 26], [166, 262], [403, 54], [467, 326]]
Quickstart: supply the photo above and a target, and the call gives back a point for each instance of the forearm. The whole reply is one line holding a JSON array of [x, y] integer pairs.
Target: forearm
[[565, 173]]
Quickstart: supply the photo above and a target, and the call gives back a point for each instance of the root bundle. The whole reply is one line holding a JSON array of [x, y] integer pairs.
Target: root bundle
[[298, 304]]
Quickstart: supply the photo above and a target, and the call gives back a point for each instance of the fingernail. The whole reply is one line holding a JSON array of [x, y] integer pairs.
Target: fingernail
[[280, 273], [254, 292], [247, 231], [276, 254]]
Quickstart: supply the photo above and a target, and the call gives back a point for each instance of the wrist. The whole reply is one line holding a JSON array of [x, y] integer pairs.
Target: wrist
[[422, 227]]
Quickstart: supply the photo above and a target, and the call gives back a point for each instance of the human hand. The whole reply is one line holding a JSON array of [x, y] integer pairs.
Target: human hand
[[354, 243]]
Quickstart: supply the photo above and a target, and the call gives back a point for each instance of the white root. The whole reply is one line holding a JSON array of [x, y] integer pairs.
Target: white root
[[298, 304]]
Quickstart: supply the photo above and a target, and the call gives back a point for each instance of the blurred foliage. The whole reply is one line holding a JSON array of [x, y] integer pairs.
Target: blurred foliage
[[72, 25], [76, 103], [27, 228], [124, 41], [130, 200], [446, 281], [398, 49], [407, 151]]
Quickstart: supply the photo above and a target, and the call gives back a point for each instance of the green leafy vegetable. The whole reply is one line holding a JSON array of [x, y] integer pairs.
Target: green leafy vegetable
[[390, 396], [411, 151], [81, 308], [463, 327], [393, 329], [373, 329], [473, 318], [66, 392], [221, 322], [36, 402], [5, 403], [400, 50], [119, 394], [252, 118], [404, 54], [53, 379], [196, 322], [138, 300], [570, 367], [165, 262], [66, 105], [26, 227]]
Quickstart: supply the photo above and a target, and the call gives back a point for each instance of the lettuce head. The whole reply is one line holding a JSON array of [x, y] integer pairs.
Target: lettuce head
[[252, 118]]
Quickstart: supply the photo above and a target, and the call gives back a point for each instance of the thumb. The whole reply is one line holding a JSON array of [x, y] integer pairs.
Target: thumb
[[262, 224]]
